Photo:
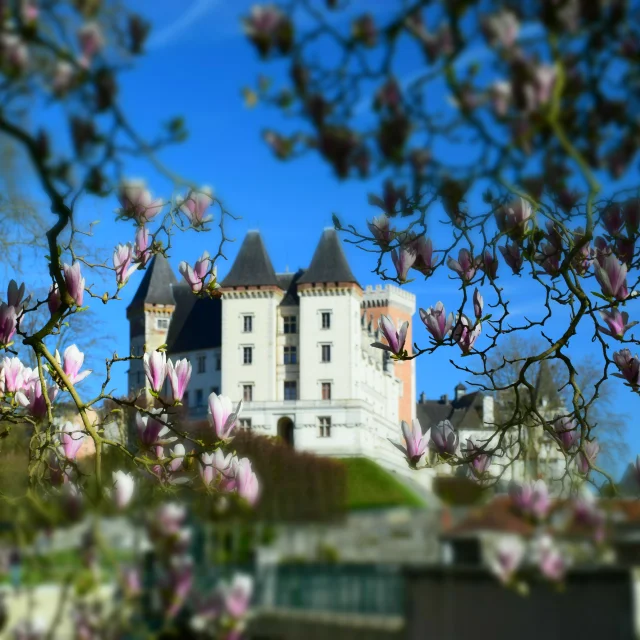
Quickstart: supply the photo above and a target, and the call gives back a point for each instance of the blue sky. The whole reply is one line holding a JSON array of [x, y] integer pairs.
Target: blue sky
[[196, 65]]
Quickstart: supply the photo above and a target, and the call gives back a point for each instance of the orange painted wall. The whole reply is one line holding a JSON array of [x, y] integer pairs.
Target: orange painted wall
[[403, 370]]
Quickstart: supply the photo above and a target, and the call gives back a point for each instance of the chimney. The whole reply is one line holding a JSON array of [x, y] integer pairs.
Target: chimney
[[459, 391], [444, 399], [422, 398]]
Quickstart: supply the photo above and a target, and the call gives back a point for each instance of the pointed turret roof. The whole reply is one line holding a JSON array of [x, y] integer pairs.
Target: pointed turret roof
[[329, 264], [157, 284], [546, 388], [252, 266]]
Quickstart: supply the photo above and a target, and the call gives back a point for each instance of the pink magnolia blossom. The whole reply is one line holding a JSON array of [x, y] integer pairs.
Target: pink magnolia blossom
[[501, 94], [74, 282], [91, 41], [416, 442], [628, 365], [195, 206], [177, 454], [423, 248], [63, 78], [465, 334], [137, 202], [437, 322], [381, 230], [617, 323], [8, 323], [478, 303], [501, 28], [195, 276], [612, 277], [587, 457], [531, 499], [122, 257], [489, 265], [13, 370], [14, 52], [155, 368], [507, 558], [512, 256], [71, 363], [152, 428], [222, 416], [403, 260], [217, 466], [246, 481], [237, 595], [179, 376], [123, 488], [551, 562], [32, 398], [481, 461], [178, 585], [142, 247], [465, 266], [567, 431], [71, 439], [396, 339], [54, 301], [15, 294], [444, 439], [513, 218]]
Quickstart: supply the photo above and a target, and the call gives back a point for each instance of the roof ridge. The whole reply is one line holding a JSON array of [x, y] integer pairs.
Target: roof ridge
[[252, 266], [329, 262]]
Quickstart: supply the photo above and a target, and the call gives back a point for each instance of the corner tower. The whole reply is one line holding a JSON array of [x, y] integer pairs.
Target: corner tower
[[400, 306], [149, 315]]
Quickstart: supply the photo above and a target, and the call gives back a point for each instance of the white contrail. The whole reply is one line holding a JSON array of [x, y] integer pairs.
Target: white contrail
[[173, 31]]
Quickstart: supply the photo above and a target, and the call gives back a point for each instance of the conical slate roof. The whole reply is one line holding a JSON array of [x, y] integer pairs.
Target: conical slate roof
[[546, 388], [252, 266], [157, 284], [329, 264]]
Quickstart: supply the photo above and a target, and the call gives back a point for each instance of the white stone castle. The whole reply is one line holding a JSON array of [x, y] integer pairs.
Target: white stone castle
[[296, 348]]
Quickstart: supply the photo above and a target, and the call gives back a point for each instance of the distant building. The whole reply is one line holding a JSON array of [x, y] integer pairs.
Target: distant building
[[297, 349]]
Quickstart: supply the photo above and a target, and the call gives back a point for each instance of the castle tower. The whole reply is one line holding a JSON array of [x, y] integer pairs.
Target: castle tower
[[251, 296], [330, 342], [149, 316], [400, 306]]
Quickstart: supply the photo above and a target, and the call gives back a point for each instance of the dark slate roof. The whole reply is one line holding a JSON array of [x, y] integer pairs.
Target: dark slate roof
[[464, 413], [157, 284], [196, 322], [252, 266], [288, 283], [329, 264]]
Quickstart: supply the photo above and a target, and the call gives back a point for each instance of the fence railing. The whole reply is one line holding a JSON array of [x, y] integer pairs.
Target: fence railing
[[350, 589]]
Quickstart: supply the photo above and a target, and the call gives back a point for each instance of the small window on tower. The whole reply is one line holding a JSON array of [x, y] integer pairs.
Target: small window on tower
[[326, 391], [248, 324], [185, 399], [290, 390], [202, 364], [245, 423], [162, 323], [326, 353], [326, 320], [247, 355], [199, 398], [290, 355], [247, 392], [325, 427], [290, 324]]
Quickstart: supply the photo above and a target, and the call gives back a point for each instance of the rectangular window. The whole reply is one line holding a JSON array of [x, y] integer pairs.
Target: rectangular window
[[291, 355], [218, 363], [325, 427], [247, 392], [215, 390], [326, 320], [290, 390], [326, 391], [162, 323], [247, 355], [248, 324], [290, 324], [199, 398], [202, 364], [185, 399], [326, 353], [245, 423]]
